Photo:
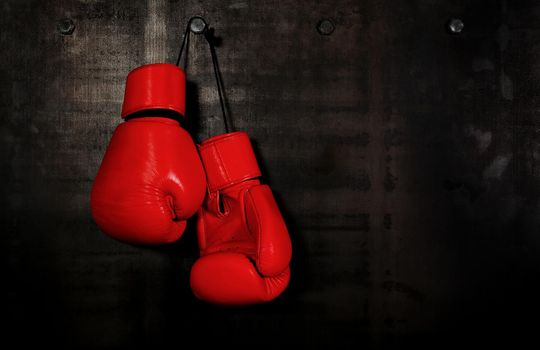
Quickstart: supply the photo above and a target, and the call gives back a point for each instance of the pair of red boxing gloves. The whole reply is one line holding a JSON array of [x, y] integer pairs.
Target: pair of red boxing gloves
[[153, 178]]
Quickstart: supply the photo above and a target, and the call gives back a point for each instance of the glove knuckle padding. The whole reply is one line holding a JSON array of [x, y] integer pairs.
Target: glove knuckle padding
[[266, 223], [231, 278], [144, 190]]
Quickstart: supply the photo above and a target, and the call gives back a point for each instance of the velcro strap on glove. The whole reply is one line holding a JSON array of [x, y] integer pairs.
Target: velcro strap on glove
[[228, 159]]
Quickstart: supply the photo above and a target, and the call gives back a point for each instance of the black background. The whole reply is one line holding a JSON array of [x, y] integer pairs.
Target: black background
[[405, 159]]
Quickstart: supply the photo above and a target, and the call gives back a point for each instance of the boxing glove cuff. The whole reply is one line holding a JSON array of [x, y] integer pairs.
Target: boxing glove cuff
[[228, 159], [155, 86]]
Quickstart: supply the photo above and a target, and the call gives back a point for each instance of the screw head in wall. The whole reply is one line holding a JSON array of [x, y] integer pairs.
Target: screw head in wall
[[65, 26], [455, 25], [326, 26], [197, 25]]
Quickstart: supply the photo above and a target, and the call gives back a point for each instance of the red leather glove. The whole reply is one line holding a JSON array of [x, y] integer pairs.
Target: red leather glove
[[244, 244], [151, 178]]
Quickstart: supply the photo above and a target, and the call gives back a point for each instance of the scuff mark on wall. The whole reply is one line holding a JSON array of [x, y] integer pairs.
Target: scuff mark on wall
[[507, 87], [482, 64], [155, 34], [238, 5], [483, 138], [497, 167]]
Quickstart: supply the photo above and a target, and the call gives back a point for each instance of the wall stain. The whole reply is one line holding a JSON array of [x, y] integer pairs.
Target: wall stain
[[389, 181], [393, 138], [412, 293]]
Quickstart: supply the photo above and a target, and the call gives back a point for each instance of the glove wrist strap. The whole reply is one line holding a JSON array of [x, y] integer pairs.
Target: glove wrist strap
[[228, 159]]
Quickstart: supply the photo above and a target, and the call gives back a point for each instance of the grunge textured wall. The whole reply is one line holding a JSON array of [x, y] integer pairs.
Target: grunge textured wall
[[406, 161]]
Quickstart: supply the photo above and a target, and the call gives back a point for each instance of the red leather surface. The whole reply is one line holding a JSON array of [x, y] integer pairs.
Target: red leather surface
[[244, 242], [231, 279], [155, 86], [150, 181]]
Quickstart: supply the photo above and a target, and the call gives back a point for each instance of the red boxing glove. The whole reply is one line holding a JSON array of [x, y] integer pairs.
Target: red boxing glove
[[244, 243], [151, 178]]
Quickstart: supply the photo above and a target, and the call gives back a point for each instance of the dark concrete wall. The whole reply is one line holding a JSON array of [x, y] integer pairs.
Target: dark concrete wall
[[406, 161]]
